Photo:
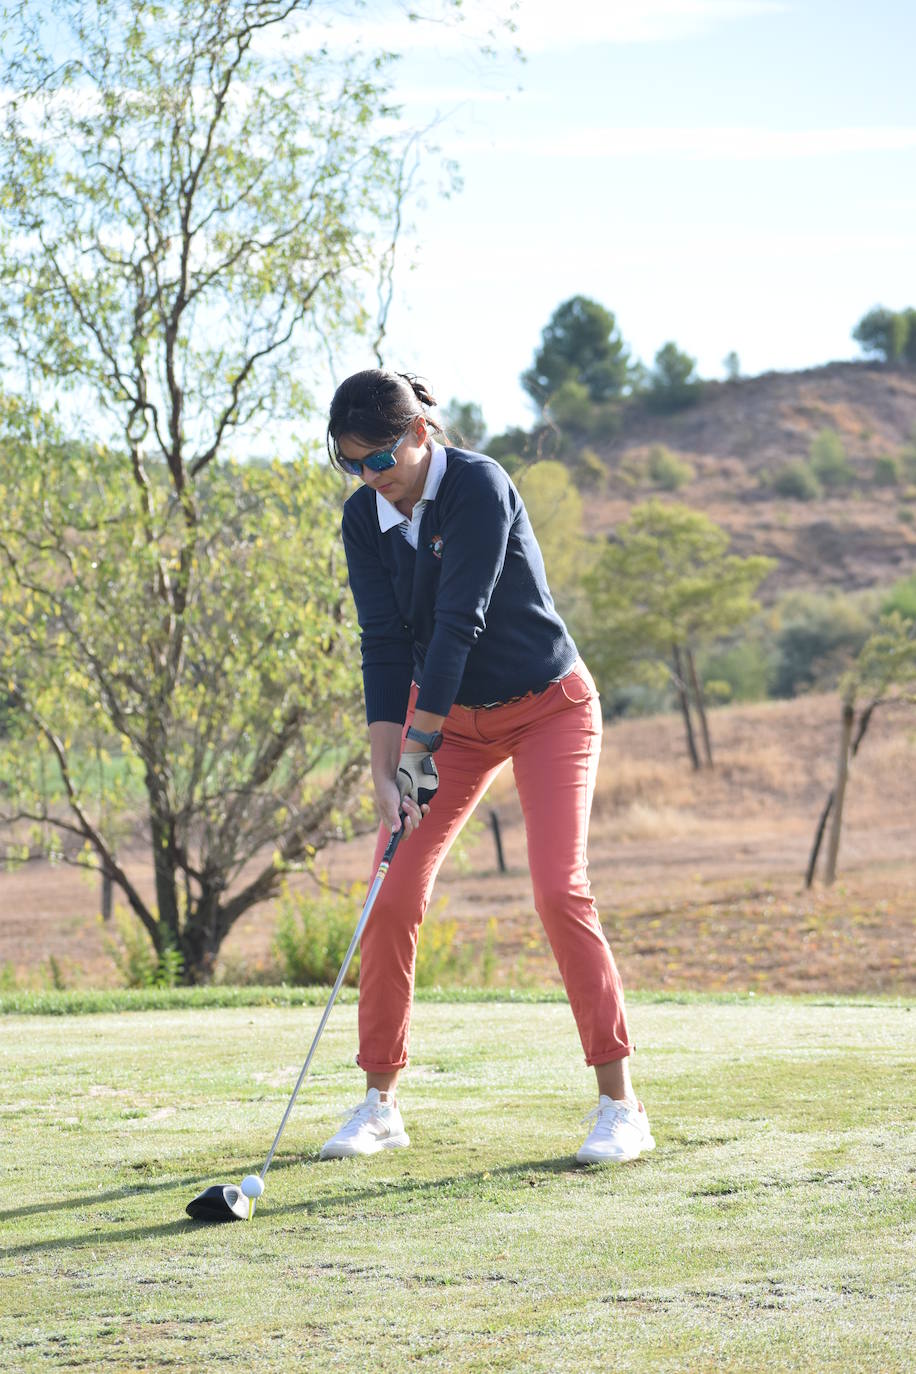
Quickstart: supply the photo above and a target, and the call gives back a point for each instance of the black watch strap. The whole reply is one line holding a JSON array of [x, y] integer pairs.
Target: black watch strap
[[430, 741]]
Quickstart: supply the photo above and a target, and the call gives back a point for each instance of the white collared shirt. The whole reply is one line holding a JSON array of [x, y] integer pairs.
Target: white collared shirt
[[388, 513]]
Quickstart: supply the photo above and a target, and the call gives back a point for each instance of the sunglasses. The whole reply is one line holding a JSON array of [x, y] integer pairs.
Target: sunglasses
[[375, 462]]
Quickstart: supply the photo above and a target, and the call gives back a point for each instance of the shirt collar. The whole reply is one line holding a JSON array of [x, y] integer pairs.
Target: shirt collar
[[388, 513]]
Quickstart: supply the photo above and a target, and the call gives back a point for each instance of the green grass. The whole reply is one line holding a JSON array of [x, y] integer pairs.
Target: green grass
[[17, 1001], [772, 1229]]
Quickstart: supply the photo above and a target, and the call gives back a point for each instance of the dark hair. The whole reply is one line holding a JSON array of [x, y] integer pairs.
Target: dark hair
[[376, 407]]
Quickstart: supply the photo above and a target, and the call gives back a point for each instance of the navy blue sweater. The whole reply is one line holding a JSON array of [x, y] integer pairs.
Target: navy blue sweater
[[468, 613]]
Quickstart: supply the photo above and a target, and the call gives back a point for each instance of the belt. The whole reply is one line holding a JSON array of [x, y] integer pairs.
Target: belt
[[509, 701]]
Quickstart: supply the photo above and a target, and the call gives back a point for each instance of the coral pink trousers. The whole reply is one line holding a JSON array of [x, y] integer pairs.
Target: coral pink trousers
[[553, 739]]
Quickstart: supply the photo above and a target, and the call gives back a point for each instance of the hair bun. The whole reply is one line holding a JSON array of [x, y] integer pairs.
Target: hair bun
[[419, 389]]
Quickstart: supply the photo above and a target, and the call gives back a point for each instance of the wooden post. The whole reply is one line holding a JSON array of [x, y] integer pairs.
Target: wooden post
[[839, 792], [497, 839]]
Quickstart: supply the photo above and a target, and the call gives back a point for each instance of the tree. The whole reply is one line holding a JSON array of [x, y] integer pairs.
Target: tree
[[555, 508], [580, 343], [193, 209], [909, 347], [229, 728], [465, 424], [885, 670], [884, 332], [662, 588], [732, 364], [673, 381]]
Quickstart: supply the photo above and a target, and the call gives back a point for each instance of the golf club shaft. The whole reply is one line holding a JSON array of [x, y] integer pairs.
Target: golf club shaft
[[357, 934]]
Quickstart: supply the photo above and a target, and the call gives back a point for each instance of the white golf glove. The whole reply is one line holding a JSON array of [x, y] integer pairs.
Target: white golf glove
[[418, 777]]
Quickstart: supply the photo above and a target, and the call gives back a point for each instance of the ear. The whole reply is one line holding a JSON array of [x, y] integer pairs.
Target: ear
[[421, 429]]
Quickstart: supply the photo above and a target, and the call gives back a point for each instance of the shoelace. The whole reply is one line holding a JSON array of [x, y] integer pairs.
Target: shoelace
[[606, 1116], [363, 1112]]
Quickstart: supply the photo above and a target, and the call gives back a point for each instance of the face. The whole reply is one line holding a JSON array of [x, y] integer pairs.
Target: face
[[405, 480]]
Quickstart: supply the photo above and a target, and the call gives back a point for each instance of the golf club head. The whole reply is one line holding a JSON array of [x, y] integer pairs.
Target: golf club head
[[221, 1202]]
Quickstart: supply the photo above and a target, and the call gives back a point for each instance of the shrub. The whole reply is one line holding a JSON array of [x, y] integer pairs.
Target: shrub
[[908, 458], [818, 635], [797, 481], [589, 466], [634, 470], [667, 470], [905, 515], [717, 691], [743, 667], [901, 598], [887, 471], [829, 462], [135, 958], [436, 955], [314, 930]]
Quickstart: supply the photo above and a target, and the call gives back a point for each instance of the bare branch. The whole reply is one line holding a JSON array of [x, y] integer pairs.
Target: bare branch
[[109, 863], [266, 883], [226, 420]]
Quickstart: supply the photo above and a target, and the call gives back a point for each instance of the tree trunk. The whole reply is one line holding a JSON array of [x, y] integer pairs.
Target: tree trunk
[[839, 792], [168, 926], [685, 706], [864, 720], [107, 891], [818, 838], [701, 707], [201, 939]]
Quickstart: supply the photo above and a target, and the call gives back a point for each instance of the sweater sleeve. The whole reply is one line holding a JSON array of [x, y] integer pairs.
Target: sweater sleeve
[[387, 649], [476, 518]]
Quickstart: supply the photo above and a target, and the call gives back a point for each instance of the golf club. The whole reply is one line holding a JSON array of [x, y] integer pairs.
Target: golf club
[[232, 1202]]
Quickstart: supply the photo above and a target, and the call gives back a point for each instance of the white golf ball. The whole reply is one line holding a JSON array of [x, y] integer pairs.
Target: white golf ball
[[252, 1186]]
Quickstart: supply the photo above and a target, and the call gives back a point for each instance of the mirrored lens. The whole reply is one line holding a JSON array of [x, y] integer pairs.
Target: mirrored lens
[[376, 462]]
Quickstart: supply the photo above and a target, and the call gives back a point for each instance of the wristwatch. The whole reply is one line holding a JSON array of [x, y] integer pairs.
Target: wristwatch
[[430, 741]]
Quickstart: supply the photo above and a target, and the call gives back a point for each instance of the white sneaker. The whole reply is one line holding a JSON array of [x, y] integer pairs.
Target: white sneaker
[[621, 1132], [372, 1126]]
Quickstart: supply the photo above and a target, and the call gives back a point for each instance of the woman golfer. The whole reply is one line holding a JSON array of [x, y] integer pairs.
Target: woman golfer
[[466, 664]]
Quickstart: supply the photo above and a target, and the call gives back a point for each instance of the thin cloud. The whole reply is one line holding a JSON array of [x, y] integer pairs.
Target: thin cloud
[[740, 143], [546, 26], [538, 25]]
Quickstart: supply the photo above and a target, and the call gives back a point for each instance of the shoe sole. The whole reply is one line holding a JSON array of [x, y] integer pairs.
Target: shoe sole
[[588, 1158], [344, 1151]]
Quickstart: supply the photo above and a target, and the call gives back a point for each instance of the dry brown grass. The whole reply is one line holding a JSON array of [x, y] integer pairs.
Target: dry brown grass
[[698, 876]]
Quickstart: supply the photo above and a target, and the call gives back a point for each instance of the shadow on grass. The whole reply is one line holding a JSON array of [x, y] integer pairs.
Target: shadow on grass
[[317, 1207], [122, 1194]]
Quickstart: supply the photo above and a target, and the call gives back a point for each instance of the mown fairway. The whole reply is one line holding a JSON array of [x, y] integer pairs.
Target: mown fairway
[[772, 1228]]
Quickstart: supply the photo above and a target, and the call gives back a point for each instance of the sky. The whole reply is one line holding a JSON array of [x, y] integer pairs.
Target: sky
[[728, 174]]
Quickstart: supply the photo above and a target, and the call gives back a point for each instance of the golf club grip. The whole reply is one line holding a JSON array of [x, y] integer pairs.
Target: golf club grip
[[396, 837]]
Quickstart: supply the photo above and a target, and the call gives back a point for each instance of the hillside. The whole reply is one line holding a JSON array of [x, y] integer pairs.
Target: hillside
[[743, 432]]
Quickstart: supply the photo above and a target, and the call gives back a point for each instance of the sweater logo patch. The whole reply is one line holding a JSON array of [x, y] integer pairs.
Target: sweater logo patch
[[435, 545]]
